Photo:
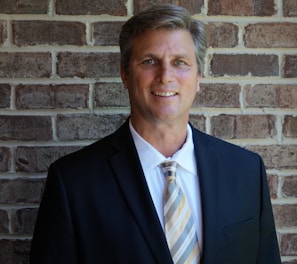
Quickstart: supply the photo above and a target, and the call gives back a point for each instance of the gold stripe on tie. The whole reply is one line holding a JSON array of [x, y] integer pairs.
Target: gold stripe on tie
[[179, 223]]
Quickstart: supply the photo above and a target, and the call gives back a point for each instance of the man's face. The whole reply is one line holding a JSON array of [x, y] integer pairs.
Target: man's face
[[162, 78]]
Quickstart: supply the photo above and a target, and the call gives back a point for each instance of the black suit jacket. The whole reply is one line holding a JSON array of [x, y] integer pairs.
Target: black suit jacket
[[97, 207]]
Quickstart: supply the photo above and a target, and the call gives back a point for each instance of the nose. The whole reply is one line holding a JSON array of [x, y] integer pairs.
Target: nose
[[165, 73]]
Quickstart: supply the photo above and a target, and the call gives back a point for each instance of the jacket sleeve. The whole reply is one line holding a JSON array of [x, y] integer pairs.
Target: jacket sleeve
[[53, 239], [268, 244]]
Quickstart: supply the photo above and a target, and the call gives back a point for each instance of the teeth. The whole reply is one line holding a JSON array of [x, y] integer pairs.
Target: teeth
[[164, 94]]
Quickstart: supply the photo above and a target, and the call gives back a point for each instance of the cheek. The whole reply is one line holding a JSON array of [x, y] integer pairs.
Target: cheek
[[137, 85], [143, 80]]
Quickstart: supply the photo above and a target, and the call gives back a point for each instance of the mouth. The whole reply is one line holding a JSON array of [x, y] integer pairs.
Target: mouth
[[164, 94]]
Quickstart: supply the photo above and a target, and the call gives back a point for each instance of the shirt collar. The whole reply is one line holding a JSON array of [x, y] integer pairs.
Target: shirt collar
[[151, 158]]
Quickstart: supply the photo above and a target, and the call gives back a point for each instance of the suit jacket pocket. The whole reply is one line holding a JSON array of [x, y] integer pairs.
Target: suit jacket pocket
[[242, 230], [241, 243]]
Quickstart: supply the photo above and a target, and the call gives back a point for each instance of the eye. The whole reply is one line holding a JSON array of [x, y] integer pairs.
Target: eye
[[180, 62], [149, 61]]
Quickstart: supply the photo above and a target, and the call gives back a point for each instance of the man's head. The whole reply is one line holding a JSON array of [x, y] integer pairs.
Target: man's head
[[168, 17]]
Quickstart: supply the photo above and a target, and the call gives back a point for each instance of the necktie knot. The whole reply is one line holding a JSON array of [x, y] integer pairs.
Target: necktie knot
[[169, 168]]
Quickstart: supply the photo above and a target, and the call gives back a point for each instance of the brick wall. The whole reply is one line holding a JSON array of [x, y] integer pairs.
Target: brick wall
[[60, 90]]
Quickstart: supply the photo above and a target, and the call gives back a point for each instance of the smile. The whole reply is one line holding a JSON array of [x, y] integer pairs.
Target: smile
[[164, 94]]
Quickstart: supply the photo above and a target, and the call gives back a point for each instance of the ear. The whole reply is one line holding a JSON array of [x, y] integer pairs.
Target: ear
[[199, 77], [124, 76]]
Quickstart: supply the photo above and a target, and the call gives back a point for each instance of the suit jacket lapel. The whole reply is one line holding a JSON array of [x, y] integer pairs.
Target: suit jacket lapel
[[128, 171], [208, 172]]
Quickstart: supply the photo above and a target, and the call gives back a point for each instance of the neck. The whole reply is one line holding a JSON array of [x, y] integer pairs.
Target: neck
[[167, 138]]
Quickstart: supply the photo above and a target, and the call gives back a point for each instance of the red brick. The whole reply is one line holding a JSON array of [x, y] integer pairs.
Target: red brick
[[290, 127], [223, 126], [25, 65], [52, 96], [193, 6], [88, 65], [243, 126], [278, 156], [91, 7], [38, 159], [74, 127], [25, 128], [261, 95], [218, 95], [5, 159], [285, 215], [286, 96], [3, 32], [198, 121], [271, 35], [288, 245], [23, 220], [241, 7], [222, 35], [5, 91], [24, 7], [4, 221], [271, 95], [244, 64], [107, 33], [290, 8], [111, 95], [27, 33], [290, 67], [273, 181], [21, 191], [14, 251], [289, 188]]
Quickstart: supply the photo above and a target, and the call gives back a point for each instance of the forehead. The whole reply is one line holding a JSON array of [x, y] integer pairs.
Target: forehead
[[178, 40]]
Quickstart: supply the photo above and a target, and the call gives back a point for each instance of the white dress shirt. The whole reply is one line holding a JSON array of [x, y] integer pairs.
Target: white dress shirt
[[187, 176]]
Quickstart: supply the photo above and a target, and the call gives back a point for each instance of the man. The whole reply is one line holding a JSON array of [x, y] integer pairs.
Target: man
[[104, 203]]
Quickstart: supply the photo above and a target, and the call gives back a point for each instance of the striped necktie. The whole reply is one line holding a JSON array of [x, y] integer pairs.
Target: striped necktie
[[179, 224]]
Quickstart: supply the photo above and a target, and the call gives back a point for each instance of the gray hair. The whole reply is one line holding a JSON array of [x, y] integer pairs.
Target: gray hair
[[166, 16]]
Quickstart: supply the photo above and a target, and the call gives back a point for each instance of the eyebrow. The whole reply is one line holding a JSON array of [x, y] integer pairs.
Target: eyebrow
[[178, 55]]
